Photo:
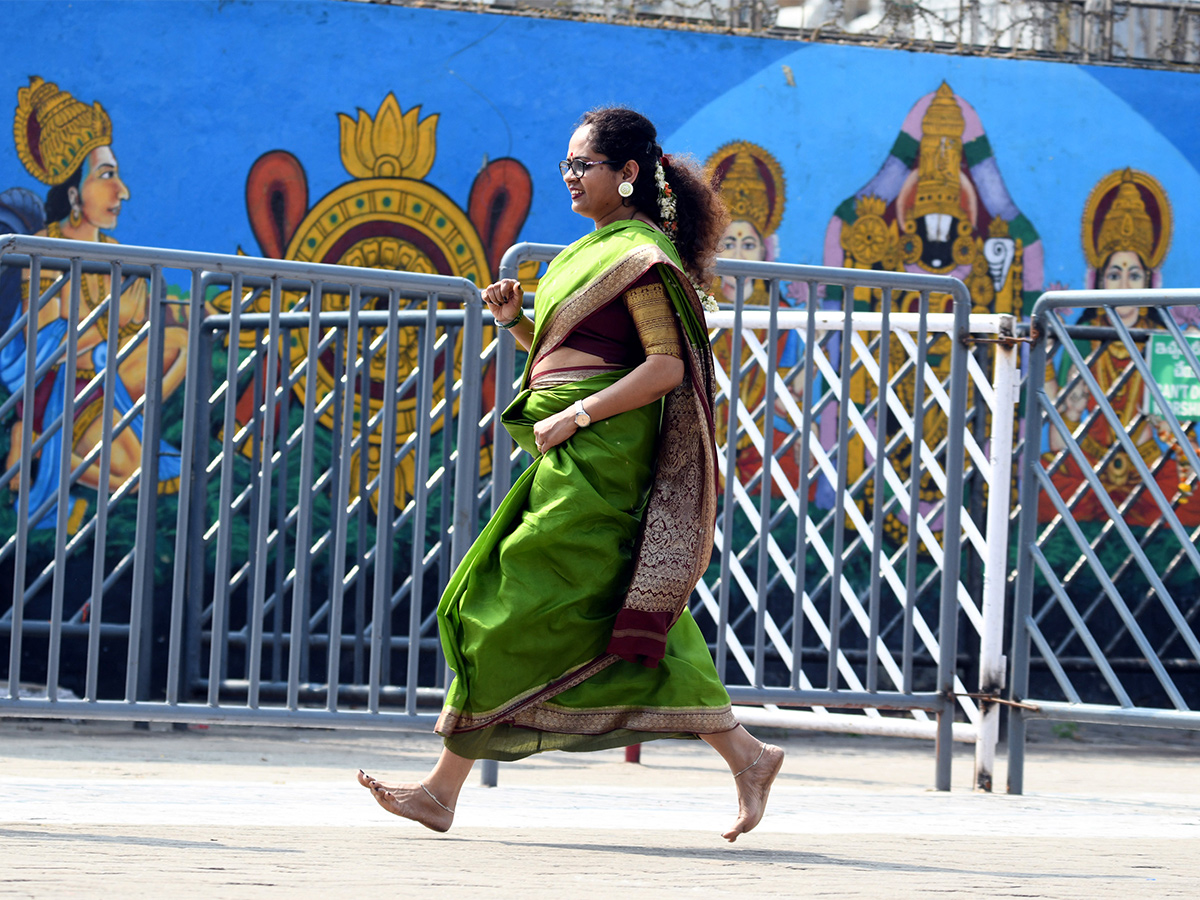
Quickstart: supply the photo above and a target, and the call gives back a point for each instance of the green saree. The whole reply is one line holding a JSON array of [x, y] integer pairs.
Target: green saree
[[566, 624]]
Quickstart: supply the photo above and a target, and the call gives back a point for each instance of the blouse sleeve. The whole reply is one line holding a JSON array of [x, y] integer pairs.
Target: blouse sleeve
[[653, 316]]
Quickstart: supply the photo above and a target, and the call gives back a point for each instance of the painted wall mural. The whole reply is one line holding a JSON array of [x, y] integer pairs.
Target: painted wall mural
[[440, 153], [938, 205], [1126, 233], [387, 217], [67, 145]]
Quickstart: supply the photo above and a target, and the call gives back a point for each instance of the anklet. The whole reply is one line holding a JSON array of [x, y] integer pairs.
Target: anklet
[[762, 749], [440, 803]]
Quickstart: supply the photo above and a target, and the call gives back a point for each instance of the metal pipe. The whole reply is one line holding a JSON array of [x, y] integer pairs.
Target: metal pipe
[[992, 663]]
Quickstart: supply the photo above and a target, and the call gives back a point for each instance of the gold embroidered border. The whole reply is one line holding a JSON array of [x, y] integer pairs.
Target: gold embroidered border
[[452, 720], [687, 720], [654, 319], [596, 294], [559, 377], [677, 530]]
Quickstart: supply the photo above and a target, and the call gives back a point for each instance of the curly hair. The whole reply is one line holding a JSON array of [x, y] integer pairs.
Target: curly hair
[[622, 134]]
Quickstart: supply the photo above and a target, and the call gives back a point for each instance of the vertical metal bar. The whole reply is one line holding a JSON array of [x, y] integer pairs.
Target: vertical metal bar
[[103, 491], [995, 575], [732, 396], [219, 627], [302, 586], [1026, 537], [766, 485], [198, 540], [839, 515], [952, 540], [808, 413], [256, 426], [341, 493], [141, 607], [385, 521], [470, 403], [281, 503], [263, 525], [192, 400], [198, 526], [416, 594], [466, 476], [16, 640], [67, 434], [364, 560], [502, 443], [914, 494], [881, 460]]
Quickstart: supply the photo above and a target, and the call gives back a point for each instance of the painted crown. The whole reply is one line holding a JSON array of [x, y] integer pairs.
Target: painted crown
[[938, 185], [54, 132], [1137, 219], [751, 184]]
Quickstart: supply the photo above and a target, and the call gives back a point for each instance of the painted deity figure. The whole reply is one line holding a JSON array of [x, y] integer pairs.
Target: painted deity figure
[[751, 183], [938, 205], [67, 145], [1126, 234]]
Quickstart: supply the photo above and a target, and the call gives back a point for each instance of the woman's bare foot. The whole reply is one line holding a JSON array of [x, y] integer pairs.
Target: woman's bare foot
[[410, 801], [753, 787]]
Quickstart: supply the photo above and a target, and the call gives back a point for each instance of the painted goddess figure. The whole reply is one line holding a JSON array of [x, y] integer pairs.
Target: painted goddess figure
[[1126, 234], [67, 145]]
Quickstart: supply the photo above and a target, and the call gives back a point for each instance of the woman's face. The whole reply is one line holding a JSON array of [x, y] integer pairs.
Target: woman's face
[[1125, 272], [102, 191], [741, 240], [594, 193]]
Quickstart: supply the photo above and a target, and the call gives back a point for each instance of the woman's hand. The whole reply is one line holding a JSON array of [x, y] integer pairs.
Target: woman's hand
[[553, 430], [504, 299]]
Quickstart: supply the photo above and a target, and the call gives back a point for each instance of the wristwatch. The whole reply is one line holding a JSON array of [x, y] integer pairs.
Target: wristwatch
[[582, 419]]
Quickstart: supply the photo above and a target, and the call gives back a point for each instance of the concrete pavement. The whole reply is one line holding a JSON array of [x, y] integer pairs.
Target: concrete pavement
[[102, 810]]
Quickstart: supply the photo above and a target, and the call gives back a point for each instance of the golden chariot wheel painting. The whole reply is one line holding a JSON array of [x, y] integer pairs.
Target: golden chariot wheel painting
[[387, 223]]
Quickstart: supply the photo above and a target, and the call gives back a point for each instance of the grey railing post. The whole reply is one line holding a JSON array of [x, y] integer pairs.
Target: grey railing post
[[1027, 535], [955, 462]]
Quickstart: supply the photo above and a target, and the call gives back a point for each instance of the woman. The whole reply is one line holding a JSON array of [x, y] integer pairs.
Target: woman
[[566, 624]]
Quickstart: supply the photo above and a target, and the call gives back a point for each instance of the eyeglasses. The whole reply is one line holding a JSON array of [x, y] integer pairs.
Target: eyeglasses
[[579, 166]]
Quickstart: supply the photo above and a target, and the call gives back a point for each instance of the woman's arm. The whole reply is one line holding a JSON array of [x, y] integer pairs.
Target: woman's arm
[[503, 299], [655, 378]]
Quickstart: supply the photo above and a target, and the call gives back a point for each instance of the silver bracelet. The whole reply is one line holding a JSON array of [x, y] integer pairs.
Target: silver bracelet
[[520, 317]]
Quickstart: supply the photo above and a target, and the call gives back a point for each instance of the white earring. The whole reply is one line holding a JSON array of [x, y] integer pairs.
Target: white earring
[[625, 189]]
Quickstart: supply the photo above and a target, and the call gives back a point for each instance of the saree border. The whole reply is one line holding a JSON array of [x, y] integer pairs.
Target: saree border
[[452, 720], [602, 720], [594, 296]]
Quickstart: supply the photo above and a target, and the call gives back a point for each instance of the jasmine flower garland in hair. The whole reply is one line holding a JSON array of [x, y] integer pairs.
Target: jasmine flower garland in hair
[[666, 199], [707, 300]]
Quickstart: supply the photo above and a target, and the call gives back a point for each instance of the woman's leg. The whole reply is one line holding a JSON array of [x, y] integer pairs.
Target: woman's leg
[[754, 765], [431, 802]]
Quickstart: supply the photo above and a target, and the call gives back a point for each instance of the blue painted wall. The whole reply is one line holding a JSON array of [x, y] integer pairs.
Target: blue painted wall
[[198, 91]]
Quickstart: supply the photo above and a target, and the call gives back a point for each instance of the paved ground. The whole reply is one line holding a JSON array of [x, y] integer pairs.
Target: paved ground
[[102, 810]]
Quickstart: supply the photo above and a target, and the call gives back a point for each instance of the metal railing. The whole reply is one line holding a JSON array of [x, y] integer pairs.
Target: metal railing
[[285, 534], [332, 468], [1107, 559]]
